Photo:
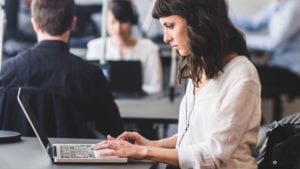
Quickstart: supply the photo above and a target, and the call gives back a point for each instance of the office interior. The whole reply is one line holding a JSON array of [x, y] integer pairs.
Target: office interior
[[248, 8], [149, 28]]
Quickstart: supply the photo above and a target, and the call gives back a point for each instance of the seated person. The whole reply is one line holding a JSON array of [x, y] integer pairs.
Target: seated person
[[50, 65], [121, 45], [275, 30], [280, 20]]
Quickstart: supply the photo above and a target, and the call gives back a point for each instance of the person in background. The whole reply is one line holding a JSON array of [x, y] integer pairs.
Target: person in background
[[280, 73], [50, 65], [122, 45], [220, 114], [280, 19]]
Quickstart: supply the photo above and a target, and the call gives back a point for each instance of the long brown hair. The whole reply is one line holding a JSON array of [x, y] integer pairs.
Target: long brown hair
[[211, 35]]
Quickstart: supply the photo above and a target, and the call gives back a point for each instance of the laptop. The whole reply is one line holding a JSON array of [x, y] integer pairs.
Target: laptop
[[65, 153], [125, 78]]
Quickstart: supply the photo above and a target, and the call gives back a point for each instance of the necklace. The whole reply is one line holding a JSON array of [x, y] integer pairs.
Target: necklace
[[187, 115]]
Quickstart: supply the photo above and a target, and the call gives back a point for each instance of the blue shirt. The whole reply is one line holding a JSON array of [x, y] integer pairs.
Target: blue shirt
[[281, 21]]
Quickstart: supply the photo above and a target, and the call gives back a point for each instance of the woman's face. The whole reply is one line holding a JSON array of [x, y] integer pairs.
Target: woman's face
[[116, 28], [175, 33]]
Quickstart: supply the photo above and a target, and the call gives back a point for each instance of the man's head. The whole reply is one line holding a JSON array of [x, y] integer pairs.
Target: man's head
[[53, 17]]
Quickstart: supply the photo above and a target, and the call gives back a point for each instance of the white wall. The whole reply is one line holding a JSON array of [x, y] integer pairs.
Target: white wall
[[242, 7], [246, 7]]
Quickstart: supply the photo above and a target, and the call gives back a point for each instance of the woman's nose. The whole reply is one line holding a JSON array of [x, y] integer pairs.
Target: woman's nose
[[167, 38]]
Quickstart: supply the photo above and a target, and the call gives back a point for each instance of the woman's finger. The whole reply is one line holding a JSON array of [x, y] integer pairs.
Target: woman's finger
[[109, 137]]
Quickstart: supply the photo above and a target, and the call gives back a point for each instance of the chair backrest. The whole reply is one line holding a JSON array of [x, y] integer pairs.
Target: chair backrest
[[57, 114]]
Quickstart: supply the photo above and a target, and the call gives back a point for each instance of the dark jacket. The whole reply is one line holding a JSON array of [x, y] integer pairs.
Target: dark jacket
[[49, 65]]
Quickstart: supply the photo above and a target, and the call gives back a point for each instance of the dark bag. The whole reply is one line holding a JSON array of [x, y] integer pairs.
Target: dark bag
[[281, 149]]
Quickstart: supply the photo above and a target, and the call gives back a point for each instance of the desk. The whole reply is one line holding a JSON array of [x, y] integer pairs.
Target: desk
[[150, 110], [29, 154], [154, 109]]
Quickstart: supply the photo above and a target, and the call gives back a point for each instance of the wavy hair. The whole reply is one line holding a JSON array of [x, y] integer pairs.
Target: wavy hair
[[211, 36]]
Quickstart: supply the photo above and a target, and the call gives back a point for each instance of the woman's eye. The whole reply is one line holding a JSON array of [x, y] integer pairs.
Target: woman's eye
[[169, 25]]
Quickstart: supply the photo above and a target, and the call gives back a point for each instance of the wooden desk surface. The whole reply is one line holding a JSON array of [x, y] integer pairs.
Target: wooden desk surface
[[29, 154]]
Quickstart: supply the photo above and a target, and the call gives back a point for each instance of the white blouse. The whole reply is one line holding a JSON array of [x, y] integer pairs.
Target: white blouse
[[223, 118], [145, 51]]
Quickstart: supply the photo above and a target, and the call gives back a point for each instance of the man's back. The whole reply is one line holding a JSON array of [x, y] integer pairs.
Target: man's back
[[50, 65]]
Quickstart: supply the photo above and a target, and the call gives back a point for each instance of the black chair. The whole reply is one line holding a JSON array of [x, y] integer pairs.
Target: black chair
[[275, 81], [58, 115], [282, 144]]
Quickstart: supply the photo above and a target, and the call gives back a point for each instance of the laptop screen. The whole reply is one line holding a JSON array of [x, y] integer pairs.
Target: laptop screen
[[125, 76], [63, 153], [22, 100]]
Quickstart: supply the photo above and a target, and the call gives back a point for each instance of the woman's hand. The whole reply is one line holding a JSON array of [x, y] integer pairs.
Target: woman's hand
[[134, 138], [128, 144], [121, 148]]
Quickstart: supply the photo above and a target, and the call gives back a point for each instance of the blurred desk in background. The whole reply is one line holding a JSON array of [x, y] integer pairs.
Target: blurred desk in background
[[150, 110]]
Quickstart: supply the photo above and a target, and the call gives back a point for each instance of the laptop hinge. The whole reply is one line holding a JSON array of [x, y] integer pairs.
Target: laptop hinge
[[52, 151]]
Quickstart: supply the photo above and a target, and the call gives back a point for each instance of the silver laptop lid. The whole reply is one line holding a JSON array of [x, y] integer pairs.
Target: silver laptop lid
[[39, 132]]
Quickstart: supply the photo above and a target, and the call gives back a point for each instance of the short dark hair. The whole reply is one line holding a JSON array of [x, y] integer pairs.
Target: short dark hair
[[211, 35], [53, 16], [124, 11]]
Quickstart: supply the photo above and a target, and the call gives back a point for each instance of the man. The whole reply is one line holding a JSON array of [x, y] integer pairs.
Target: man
[[279, 19], [50, 65]]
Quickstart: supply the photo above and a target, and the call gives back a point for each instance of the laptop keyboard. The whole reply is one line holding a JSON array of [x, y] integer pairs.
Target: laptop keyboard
[[76, 151]]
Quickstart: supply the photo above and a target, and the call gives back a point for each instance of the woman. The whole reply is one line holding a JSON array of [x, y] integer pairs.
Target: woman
[[220, 113], [122, 45]]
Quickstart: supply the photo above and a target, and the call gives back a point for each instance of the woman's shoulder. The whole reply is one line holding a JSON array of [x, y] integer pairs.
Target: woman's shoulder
[[95, 42], [241, 66], [241, 62]]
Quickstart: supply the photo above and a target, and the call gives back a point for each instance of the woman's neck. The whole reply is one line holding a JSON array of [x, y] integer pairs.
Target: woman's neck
[[230, 57], [124, 42]]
